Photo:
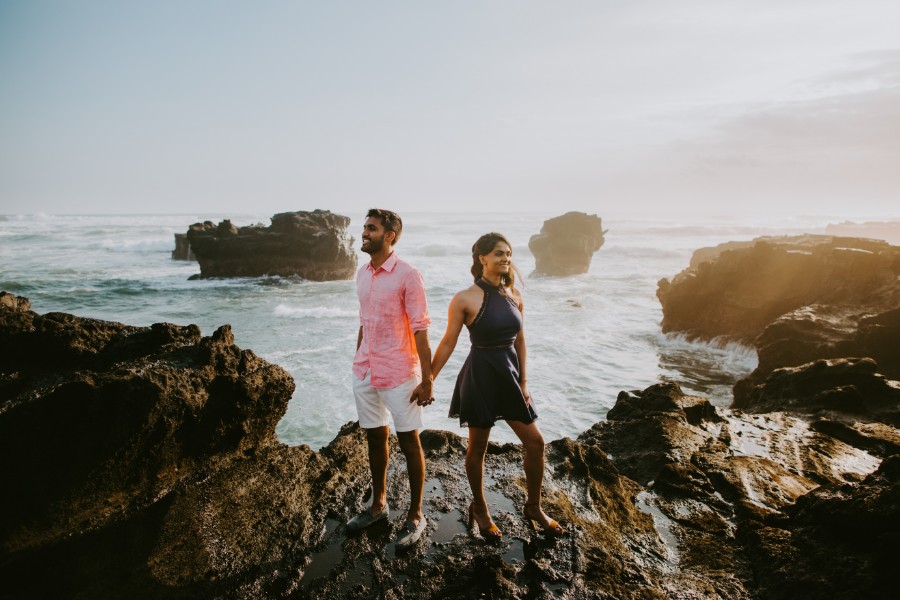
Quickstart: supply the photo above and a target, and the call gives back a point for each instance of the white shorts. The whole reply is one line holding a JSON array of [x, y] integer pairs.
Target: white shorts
[[373, 405]]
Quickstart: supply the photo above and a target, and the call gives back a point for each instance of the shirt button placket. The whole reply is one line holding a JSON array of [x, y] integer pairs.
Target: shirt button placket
[[373, 316]]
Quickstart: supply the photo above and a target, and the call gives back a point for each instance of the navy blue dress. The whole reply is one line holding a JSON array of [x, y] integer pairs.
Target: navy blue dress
[[487, 388]]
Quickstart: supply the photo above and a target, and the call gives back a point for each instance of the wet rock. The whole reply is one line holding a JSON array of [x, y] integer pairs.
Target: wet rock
[[144, 461], [835, 542], [809, 334], [145, 464], [312, 245], [877, 439], [798, 300], [182, 249], [566, 244], [13, 302], [846, 385], [737, 289], [725, 492]]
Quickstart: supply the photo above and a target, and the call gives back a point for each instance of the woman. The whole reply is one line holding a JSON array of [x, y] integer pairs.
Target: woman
[[492, 383]]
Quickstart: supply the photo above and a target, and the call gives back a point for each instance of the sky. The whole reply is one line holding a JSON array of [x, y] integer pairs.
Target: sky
[[695, 106]]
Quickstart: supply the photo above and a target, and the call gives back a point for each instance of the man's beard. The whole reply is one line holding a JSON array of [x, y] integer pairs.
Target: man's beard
[[373, 246]]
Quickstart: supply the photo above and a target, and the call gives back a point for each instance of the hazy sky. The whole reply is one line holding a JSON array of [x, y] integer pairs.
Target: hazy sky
[[656, 105]]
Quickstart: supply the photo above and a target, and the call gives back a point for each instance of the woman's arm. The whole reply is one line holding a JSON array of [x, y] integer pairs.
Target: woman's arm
[[456, 316], [521, 348]]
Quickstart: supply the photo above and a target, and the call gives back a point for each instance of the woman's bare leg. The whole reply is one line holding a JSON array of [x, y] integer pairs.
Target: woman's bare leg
[[478, 442], [533, 442]]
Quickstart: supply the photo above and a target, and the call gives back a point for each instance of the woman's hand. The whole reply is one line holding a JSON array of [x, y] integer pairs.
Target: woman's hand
[[526, 393]]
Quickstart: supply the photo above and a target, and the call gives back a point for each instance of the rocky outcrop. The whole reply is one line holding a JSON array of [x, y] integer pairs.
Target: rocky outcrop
[[566, 244], [846, 399], [845, 385], [796, 299], [748, 503], [737, 289], [182, 249], [312, 245], [144, 464]]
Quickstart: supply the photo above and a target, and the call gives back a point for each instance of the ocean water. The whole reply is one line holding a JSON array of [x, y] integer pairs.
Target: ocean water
[[589, 336]]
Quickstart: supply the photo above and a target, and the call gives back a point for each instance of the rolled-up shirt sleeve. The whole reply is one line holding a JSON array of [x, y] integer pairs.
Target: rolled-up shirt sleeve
[[415, 302]]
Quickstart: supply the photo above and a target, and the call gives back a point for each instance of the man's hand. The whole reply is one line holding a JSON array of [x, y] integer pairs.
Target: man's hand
[[423, 395]]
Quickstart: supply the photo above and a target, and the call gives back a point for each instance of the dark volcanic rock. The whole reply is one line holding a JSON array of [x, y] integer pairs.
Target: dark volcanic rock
[[838, 541], [182, 249], [566, 244], [796, 299], [846, 385], [750, 504], [141, 462], [145, 465], [737, 289], [144, 462], [312, 245]]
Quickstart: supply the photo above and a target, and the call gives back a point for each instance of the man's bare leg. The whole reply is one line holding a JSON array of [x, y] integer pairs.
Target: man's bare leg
[[415, 469], [378, 463]]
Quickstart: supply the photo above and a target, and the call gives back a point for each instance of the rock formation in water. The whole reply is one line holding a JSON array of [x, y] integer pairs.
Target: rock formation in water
[[796, 299], [312, 245], [566, 244], [142, 462], [182, 249]]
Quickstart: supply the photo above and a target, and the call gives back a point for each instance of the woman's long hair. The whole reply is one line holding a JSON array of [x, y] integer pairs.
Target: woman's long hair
[[486, 245]]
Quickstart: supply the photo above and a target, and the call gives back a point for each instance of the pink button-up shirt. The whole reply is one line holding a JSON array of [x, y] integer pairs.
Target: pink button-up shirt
[[392, 307]]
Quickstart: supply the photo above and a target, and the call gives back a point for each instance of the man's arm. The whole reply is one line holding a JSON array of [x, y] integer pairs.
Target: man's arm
[[423, 395], [359, 338]]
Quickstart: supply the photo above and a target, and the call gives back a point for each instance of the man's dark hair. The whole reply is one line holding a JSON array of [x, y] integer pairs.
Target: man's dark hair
[[389, 220]]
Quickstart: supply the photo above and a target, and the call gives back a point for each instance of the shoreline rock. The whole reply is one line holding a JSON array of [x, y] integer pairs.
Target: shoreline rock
[[796, 299], [145, 464], [312, 245]]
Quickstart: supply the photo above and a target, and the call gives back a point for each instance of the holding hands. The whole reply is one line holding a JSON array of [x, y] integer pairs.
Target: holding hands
[[423, 395]]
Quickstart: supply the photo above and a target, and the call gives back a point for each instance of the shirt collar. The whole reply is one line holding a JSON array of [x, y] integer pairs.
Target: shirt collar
[[388, 265]]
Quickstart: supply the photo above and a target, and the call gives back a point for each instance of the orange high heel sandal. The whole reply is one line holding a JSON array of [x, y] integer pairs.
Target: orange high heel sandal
[[492, 533], [551, 529]]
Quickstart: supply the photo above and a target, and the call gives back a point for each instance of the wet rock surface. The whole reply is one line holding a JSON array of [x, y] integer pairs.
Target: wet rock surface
[[850, 386], [145, 465], [312, 245], [566, 244]]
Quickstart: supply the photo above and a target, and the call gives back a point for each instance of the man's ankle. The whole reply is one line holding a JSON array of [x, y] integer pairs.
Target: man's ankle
[[415, 517]]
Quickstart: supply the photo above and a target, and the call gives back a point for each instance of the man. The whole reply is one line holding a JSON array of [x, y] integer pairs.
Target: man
[[392, 354]]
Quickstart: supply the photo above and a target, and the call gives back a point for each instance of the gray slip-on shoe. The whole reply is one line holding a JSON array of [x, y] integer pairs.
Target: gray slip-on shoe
[[410, 533], [366, 518]]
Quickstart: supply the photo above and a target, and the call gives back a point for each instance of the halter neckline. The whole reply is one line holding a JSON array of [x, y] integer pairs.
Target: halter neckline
[[489, 284]]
